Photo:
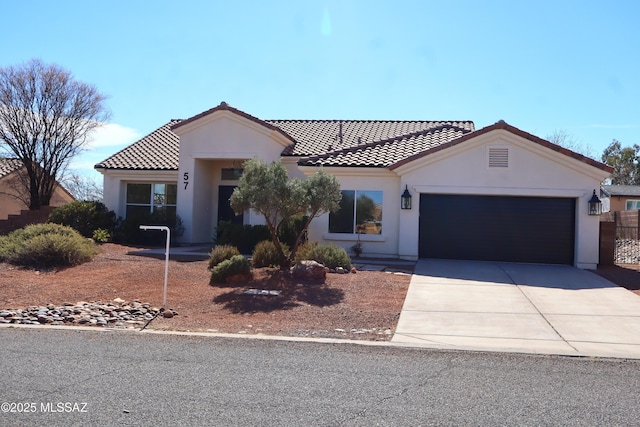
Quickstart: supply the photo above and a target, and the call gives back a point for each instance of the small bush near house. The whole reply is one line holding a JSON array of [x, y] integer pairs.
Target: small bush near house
[[330, 256], [235, 267], [243, 237], [266, 255], [246, 237], [222, 253], [85, 217], [289, 229], [128, 231], [101, 235], [46, 246]]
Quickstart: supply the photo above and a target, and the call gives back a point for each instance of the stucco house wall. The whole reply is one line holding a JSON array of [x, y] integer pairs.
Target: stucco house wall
[[619, 203], [10, 205], [615, 197], [222, 139], [367, 179], [424, 157], [115, 185], [533, 171]]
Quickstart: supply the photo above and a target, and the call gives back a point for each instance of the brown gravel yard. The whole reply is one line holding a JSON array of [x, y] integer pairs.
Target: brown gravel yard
[[365, 305]]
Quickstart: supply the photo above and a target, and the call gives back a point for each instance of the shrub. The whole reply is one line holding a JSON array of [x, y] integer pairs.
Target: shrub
[[266, 255], [331, 256], [101, 235], [246, 237], [243, 237], [45, 246], [289, 229], [128, 231], [85, 217], [237, 265], [222, 253]]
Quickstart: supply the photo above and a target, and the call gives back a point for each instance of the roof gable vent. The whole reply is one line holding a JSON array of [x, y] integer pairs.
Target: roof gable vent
[[498, 157]]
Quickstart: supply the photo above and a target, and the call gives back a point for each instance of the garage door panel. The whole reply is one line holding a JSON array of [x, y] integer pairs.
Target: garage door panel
[[517, 229]]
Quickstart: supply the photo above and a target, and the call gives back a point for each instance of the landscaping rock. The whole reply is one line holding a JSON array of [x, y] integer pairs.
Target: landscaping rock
[[627, 251], [86, 314], [311, 270]]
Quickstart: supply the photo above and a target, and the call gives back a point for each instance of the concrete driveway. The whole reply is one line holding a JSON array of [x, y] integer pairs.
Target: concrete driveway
[[528, 308]]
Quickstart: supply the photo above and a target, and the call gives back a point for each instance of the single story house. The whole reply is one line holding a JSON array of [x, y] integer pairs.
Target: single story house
[[497, 193], [617, 198], [12, 195]]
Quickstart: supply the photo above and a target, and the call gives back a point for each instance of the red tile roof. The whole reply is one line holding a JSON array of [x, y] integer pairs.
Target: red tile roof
[[317, 137], [160, 149], [226, 107], [352, 143], [514, 130], [157, 151], [390, 151], [8, 166]]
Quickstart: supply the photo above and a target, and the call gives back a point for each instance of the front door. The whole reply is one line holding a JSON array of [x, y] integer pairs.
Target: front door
[[225, 213]]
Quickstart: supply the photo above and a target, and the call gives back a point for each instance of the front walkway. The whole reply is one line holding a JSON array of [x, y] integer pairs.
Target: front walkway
[[543, 309]]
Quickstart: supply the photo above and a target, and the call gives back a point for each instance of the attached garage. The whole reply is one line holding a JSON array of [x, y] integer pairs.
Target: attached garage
[[497, 228], [497, 193]]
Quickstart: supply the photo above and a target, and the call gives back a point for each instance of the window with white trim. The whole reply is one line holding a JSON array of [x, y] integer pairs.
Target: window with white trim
[[231, 174], [145, 198], [632, 205], [360, 212]]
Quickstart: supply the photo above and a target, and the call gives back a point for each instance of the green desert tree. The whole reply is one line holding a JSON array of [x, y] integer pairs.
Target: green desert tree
[[625, 162], [268, 190]]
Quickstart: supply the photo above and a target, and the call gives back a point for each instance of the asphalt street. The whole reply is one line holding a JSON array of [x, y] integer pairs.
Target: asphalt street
[[70, 377]]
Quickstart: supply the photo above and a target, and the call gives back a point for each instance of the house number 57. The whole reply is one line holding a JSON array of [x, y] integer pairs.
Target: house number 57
[[185, 180]]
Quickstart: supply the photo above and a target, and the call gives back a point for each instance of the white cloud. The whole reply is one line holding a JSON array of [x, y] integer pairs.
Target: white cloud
[[112, 134], [104, 142]]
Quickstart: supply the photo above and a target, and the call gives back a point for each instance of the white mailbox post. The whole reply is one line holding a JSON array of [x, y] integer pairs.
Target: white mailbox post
[[166, 256]]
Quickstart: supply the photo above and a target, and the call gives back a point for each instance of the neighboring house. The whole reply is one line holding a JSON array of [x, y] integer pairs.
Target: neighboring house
[[497, 193], [620, 197], [10, 190]]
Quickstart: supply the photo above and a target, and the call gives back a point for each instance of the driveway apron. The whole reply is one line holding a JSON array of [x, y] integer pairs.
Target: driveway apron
[[529, 308]]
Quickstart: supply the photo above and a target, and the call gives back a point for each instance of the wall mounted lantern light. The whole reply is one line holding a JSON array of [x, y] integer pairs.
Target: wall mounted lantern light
[[595, 205], [405, 199]]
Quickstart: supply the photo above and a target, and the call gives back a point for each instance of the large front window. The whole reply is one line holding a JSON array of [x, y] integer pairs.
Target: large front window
[[143, 199], [360, 212]]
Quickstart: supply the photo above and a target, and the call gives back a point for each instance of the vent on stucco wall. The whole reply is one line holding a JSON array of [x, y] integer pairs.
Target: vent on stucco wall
[[498, 157]]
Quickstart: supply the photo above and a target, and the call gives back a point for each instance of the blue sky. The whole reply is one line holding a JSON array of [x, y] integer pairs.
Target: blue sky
[[542, 66]]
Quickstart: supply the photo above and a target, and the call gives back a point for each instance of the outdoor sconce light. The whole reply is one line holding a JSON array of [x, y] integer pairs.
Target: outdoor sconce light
[[405, 199], [595, 205]]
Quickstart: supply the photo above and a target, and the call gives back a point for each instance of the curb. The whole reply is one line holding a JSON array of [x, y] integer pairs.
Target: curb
[[334, 341]]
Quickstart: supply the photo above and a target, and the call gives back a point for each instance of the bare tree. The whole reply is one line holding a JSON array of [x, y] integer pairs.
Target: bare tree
[[45, 119], [562, 138], [83, 188]]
